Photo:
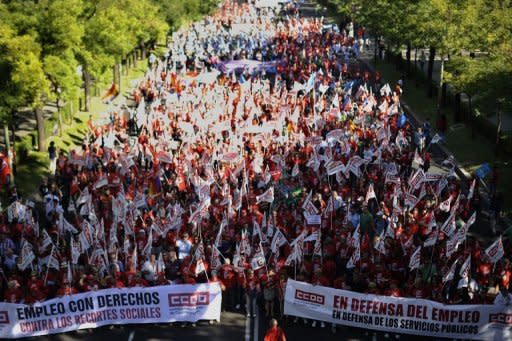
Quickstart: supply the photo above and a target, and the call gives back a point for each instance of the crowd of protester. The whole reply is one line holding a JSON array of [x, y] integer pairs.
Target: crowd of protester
[[293, 163]]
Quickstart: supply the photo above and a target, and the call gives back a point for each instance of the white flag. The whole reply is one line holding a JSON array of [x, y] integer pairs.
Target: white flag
[[313, 219], [317, 251], [294, 256], [356, 256], [135, 260], [431, 239], [69, 274], [414, 262], [268, 196], [200, 267], [27, 255], [295, 170], [436, 139], [53, 262], [215, 260], [219, 234], [312, 237], [449, 275], [370, 194], [256, 230], [465, 268], [445, 205], [75, 251], [380, 244], [417, 159], [495, 252], [448, 226], [147, 249], [258, 260], [278, 241], [160, 265], [451, 245], [471, 189]]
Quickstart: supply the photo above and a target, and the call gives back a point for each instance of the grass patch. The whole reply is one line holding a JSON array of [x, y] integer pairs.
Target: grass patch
[[29, 173]]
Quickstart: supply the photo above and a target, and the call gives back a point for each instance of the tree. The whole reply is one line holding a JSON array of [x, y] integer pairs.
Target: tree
[[60, 35], [486, 28], [22, 78], [178, 12]]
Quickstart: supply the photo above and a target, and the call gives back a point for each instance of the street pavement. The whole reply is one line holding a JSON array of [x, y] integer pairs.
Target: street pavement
[[231, 328]]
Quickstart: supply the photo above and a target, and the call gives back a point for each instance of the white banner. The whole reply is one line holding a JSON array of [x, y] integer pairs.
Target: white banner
[[398, 315], [160, 304]]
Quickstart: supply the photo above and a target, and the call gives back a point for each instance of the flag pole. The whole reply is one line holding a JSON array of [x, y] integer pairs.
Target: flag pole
[[48, 265]]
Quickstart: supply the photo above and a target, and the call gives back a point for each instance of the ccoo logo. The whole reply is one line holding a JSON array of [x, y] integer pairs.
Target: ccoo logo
[[309, 297], [189, 299]]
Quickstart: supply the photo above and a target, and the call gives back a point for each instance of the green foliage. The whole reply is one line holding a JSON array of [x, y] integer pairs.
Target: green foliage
[[455, 28], [22, 79], [179, 12]]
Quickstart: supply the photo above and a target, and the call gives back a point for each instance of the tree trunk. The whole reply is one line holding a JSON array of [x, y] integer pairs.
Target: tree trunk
[[143, 50], [71, 111], [118, 71], [114, 73], [431, 58], [442, 85], [59, 116], [125, 66], [134, 58], [41, 138], [87, 90], [416, 77], [13, 132], [408, 55]]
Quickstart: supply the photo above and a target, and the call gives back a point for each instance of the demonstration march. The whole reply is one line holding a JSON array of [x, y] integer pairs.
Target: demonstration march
[[259, 166]]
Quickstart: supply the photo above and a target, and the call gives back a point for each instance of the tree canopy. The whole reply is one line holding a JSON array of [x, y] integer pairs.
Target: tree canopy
[[44, 42], [459, 29]]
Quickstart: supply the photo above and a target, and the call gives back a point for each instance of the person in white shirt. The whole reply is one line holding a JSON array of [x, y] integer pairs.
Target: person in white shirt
[[184, 246], [149, 269]]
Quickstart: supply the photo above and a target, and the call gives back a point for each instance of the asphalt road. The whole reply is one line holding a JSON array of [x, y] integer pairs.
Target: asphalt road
[[231, 327]]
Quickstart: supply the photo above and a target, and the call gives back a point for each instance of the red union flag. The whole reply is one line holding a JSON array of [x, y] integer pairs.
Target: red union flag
[[495, 252]]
